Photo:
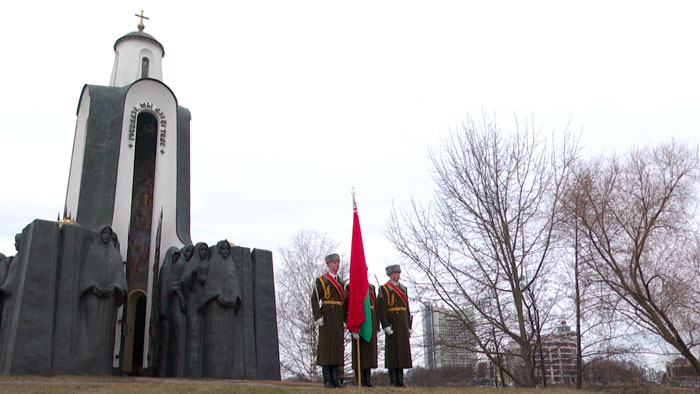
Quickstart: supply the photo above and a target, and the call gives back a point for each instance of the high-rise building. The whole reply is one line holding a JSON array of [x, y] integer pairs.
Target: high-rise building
[[559, 353], [446, 339]]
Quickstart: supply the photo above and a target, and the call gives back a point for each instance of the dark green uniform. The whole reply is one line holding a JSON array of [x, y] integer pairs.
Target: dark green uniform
[[368, 350], [394, 312], [327, 301]]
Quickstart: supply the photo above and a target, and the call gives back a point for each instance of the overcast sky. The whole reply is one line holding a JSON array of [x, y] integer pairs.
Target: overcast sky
[[295, 102]]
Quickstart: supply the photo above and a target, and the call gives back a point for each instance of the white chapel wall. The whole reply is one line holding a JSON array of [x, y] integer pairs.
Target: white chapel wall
[[155, 98], [127, 62]]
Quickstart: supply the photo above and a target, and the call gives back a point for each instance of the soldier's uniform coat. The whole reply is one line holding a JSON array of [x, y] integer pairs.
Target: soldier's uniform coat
[[328, 301], [394, 312], [368, 350]]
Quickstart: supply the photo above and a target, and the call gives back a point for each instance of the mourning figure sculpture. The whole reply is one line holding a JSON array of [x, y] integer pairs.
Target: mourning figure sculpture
[[176, 316], [165, 278], [18, 244], [7, 287], [115, 240], [102, 289], [192, 280], [221, 299], [4, 265]]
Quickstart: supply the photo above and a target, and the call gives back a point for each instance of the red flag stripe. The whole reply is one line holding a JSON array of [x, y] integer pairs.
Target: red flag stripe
[[358, 277]]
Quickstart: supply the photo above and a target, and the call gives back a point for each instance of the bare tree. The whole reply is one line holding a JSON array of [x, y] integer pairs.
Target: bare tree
[[638, 234], [484, 246], [600, 332], [302, 261]]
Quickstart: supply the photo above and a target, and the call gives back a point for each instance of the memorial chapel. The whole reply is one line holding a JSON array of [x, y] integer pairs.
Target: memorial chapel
[[130, 167], [130, 171]]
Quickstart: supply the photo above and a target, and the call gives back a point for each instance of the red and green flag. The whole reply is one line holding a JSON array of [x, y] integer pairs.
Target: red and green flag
[[359, 313]]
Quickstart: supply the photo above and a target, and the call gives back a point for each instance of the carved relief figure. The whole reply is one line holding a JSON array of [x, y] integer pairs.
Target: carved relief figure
[[102, 289], [165, 278], [192, 281], [7, 288], [177, 317], [221, 299], [4, 265]]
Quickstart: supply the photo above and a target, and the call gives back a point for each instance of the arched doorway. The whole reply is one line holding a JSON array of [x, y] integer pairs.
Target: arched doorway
[[136, 330]]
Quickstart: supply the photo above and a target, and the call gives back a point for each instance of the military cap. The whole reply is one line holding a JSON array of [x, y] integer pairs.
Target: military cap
[[332, 257], [392, 269]]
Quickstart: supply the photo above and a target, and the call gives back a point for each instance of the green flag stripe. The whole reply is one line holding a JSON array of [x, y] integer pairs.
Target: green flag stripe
[[366, 328]]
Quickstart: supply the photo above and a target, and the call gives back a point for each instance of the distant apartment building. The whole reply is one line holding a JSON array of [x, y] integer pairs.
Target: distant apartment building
[[559, 353], [445, 339], [680, 370]]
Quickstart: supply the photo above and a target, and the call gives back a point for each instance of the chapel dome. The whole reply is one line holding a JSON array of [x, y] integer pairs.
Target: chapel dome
[[139, 35]]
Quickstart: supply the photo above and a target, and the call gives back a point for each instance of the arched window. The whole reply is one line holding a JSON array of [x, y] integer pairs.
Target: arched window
[[144, 67]]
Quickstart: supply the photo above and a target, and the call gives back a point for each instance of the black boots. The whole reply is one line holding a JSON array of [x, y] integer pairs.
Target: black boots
[[327, 377], [396, 377], [392, 378], [335, 376], [366, 378]]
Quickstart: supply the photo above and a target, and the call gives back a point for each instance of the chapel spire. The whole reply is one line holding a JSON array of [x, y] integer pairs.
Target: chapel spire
[[141, 26], [137, 55]]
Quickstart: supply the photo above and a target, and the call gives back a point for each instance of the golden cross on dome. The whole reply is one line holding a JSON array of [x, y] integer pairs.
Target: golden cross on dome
[[141, 26]]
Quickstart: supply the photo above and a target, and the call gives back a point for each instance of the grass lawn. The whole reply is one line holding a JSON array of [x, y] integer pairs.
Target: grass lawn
[[91, 384]]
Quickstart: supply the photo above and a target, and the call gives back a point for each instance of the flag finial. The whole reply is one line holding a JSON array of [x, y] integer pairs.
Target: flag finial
[[353, 193]]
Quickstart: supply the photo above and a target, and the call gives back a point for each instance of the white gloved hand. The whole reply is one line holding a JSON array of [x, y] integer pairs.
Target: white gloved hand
[[355, 335], [388, 330], [319, 321]]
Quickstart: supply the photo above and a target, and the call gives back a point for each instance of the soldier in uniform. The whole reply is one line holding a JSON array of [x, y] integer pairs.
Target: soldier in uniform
[[327, 301], [396, 319], [368, 350]]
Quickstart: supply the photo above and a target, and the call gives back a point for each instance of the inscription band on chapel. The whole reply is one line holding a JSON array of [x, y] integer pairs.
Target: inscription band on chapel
[[162, 123]]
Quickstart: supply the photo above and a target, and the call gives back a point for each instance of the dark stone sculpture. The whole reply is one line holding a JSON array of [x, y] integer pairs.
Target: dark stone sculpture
[[18, 243], [115, 241], [265, 311], [170, 358], [11, 292], [194, 275], [60, 293], [225, 301], [60, 297], [102, 289], [246, 357], [177, 323], [4, 266], [221, 299], [163, 322]]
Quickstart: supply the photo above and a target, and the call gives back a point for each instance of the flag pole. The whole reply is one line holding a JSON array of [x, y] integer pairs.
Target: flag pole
[[359, 367]]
